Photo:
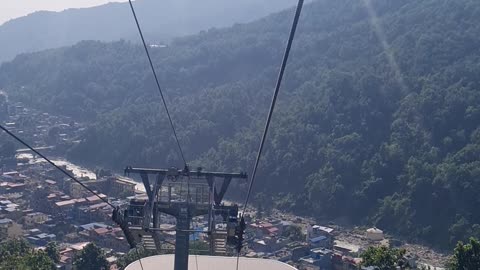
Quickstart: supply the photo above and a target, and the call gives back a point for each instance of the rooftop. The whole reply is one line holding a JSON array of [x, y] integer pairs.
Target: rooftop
[[318, 239], [101, 231], [81, 246], [210, 263], [374, 230], [35, 214], [272, 230], [95, 198], [323, 228], [65, 203], [5, 220], [322, 251], [346, 246], [97, 206], [94, 225], [11, 173]]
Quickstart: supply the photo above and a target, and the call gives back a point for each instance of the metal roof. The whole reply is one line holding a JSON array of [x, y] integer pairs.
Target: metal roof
[[210, 263], [318, 239], [323, 228], [5, 220]]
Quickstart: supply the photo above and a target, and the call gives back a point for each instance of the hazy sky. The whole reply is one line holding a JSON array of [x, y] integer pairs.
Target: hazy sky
[[16, 8]]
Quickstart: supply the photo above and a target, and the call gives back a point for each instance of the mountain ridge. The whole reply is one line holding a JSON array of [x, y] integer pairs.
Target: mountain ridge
[[161, 21]]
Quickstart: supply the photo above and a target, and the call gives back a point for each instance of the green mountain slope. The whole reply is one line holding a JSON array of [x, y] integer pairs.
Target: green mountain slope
[[378, 123], [162, 19]]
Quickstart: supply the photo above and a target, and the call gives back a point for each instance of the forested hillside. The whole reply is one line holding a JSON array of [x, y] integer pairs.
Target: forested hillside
[[377, 122], [161, 20]]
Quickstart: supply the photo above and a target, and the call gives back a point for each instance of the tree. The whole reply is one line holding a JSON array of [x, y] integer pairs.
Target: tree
[[52, 251], [15, 247], [18, 255], [382, 257], [466, 256], [7, 149], [3, 106], [259, 212], [199, 247], [294, 233], [91, 258], [38, 260], [52, 135], [133, 255], [264, 204], [63, 228]]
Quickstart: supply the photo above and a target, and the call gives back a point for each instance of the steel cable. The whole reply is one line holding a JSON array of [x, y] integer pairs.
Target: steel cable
[[53, 164], [272, 107], [158, 83]]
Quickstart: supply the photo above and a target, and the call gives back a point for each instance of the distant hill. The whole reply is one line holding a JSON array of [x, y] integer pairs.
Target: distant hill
[[378, 123], [161, 20]]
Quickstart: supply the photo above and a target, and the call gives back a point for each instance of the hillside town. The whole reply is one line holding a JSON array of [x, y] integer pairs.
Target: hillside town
[[40, 204]]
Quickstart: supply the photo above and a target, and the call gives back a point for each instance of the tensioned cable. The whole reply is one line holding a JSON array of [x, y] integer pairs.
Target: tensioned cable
[[159, 90], [157, 82], [195, 249], [274, 98], [272, 106], [139, 258], [188, 203], [66, 173], [53, 164]]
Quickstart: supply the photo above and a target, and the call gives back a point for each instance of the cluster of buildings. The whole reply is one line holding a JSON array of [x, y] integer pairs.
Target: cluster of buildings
[[41, 210], [50, 132], [40, 204], [313, 247]]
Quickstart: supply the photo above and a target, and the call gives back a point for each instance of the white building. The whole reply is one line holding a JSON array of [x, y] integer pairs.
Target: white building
[[35, 218], [375, 234]]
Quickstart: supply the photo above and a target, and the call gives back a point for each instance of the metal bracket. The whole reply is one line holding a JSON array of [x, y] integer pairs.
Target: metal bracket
[[218, 197]]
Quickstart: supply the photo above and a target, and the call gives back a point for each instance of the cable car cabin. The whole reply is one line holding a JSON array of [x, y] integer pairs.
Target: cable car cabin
[[135, 212], [195, 193], [184, 195], [224, 222], [223, 239]]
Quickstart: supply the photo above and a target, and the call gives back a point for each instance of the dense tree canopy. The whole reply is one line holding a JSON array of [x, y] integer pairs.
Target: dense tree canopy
[[466, 256], [134, 255], [7, 147], [3, 106], [18, 255], [52, 251], [294, 233], [382, 257], [378, 119], [91, 258]]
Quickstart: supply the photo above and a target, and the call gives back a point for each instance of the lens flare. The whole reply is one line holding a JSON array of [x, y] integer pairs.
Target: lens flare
[[377, 27]]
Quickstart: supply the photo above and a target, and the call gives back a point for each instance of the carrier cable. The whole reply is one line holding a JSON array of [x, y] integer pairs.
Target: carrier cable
[[54, 165], [67, 174], [274, 99], [158, 83], [272, 107]]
